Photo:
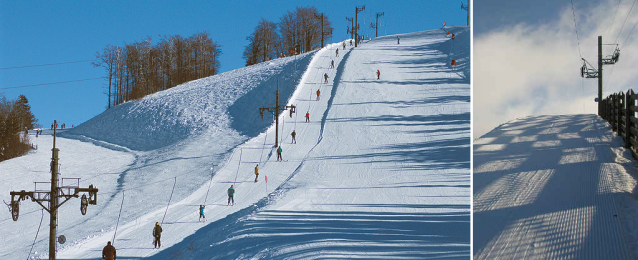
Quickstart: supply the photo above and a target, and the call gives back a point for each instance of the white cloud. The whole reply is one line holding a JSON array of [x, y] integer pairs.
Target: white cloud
[[525, 70]]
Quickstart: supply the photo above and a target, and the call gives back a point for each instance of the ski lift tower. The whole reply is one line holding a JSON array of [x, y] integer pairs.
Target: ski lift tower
[[587, 70], [351, 29], [356, 23], [467, 8], [49, 199], [376, 25], [275, 110]]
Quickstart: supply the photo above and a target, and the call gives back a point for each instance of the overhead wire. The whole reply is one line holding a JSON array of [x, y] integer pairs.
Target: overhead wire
[[118, 219], [36, 235], [576, 29], [44, 65], [613, 19], [53, 83], [582, 80], [623, 24]]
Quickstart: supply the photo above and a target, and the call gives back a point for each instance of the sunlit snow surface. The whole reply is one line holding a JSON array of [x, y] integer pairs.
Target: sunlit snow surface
[[554, 187], [380, 171]]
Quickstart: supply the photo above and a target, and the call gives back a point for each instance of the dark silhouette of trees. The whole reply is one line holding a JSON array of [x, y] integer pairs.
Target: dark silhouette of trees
[[15, 121], [264, 43], [298, 31], [141, 68]]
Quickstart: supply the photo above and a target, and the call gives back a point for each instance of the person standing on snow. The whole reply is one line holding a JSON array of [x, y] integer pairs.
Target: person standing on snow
[[293, 137], [344, 45], [108, 252], [256, 172], [397, 39], [318, 93], [231, 194], [279, 158], [378, 74], [307, 117], [201, 213], [337, 52], [157, 234], [325, 77], [332, 64]]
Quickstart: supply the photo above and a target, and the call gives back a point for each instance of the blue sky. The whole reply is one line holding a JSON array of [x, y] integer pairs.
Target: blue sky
[[52, 32]]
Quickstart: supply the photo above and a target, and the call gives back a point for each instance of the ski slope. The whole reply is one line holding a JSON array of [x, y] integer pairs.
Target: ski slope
[[549, 187], [381, 170]]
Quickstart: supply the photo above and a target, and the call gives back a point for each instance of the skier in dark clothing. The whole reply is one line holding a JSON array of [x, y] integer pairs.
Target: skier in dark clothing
[[337, 52], [231, 193], [397, 39], [293, 137], [350, 42], [201, 213], [332, 64], [108, 252], [157, 233], [279, 150], [325, 77]]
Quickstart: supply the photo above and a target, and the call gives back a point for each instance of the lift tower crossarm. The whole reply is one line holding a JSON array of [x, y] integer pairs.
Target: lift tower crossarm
[[275, 110], [51, 196]]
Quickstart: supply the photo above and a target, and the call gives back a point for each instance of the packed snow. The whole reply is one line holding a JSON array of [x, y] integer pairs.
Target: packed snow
[[381, 170], [549, 187]]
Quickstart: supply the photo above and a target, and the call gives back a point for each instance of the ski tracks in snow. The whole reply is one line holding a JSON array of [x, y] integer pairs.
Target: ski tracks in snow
[[546, 192]]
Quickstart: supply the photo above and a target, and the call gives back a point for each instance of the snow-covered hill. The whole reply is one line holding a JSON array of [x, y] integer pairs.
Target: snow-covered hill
[[550, 187], [381, 170]]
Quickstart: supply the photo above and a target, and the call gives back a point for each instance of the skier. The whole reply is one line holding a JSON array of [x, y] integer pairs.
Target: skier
[[231, 193], [452, 36], [279, 158], [108, 252], [325, 76], [350, 42], [307, 117], [378, 74], [201, 213], [344, 45], [337, 52], [318, 93], [256, 172], [332, 64], [293, 137], [397, 39], [157, 233]]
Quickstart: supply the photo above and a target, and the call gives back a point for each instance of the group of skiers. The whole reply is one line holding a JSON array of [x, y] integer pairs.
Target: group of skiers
[[109, 251], [61, 127]]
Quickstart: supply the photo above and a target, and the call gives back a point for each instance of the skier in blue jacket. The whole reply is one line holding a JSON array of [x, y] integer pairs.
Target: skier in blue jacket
[[201, 213], [279, 150]]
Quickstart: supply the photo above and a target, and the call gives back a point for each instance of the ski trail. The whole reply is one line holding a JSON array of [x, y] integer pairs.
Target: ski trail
[[249, 197]]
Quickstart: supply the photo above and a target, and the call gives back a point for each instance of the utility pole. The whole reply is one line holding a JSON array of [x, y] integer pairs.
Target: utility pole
[[351, 31], [467, 8], [587, 70], [40, 196], [275, 110], [376, 25], [356, 29], [600, 73]]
